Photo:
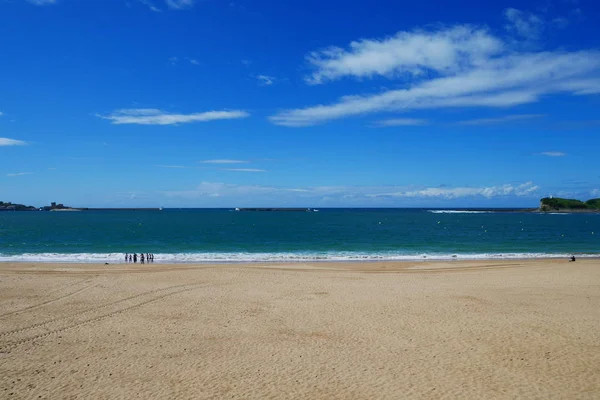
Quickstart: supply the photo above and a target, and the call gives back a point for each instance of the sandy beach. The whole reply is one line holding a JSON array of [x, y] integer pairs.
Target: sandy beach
[[477, 329]]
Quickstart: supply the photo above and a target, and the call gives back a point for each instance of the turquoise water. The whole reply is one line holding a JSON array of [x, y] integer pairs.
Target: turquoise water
[[207, 235]]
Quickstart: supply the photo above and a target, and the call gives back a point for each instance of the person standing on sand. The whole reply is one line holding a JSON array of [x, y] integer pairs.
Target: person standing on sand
[[126, 257], [130, 258], [141, 258], [134, 258]]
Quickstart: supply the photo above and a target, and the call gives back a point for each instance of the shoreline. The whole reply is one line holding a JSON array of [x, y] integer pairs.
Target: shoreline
[[458, 259], [355, 266]]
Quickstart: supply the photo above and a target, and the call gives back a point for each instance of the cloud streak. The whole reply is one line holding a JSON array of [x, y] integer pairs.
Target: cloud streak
[[151, 116], [402, 122], [180, 4], [224, 161], [358, 194], [524, 189], [553, 154], [500, 120], [460, 66], [11, 142], [244, 169], [20, 174], [265, 80], [42, 2]]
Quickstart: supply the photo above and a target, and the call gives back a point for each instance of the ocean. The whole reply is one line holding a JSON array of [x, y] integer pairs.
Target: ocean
[[225, 235]]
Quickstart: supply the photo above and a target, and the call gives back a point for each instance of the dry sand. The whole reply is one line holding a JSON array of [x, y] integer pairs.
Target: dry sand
[[481, 330]]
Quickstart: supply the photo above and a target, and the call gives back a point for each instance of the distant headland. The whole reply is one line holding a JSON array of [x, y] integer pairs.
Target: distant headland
[[557, 204], [8, 206]]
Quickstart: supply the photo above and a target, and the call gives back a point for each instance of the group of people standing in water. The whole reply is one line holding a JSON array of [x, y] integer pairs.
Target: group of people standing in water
[[133, 258]]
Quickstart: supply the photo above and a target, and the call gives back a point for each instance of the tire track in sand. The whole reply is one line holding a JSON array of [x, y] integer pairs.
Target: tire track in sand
[[90, 310], [153, 298], [45, 303]]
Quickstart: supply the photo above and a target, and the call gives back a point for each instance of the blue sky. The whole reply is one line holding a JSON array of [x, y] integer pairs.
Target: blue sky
[[208, 103]]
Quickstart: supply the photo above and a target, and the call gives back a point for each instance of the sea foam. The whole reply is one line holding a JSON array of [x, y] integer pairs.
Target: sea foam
[[274, 257]]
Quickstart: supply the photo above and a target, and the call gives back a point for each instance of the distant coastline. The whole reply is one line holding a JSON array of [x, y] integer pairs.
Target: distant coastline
[[54, 207]]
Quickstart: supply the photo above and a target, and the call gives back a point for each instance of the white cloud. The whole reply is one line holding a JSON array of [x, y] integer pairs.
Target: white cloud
[[402, 122], [499, 120], [42, 2], [173, 60], [151, 116], [180, 4], [244, 169], [19, 174], [224, 162], [265, 80], [412, 53], [553, 153], [11, 142], [524, 189], [351, 194], [453, 67], [524, 24], [193, 61], [150, 5], [595, 192]]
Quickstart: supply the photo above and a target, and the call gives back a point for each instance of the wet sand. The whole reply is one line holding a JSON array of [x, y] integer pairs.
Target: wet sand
[[461, 329]]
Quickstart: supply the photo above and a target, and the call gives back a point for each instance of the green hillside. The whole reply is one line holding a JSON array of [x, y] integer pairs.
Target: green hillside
[[557, 203]]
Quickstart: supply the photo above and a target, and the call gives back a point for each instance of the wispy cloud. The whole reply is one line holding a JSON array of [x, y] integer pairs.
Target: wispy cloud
[[180, 4], [244, 169], [402, 122], [353, 194], [151, 116], [459, 66], [42, 2], [500, 120], [524, 189], [524, 24], [265, 80], [151, 5], [174, 61], [530, 26], [224, 162], [19, 174], [553, 153], [405, 54], [11, 142]]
